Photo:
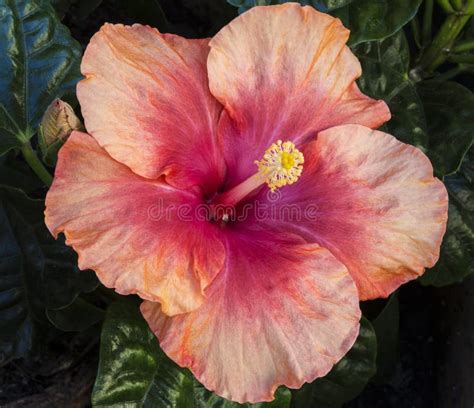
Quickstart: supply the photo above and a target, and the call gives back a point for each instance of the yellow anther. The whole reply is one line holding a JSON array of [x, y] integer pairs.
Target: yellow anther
[[281, 164], [287, 160]]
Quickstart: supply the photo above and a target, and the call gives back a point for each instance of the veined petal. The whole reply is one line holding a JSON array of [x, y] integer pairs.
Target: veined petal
[[128, 229], [284, 72], [373, 202], [279, 313], [146, 100]]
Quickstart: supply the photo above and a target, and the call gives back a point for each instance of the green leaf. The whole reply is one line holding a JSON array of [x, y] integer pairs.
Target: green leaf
[[206, 399], [385, 67], [347, 379], [36, 272], [134, 372], [16, 173], [131, 363], [449, 112], [146, 12], [82, 8], [334, 4], [39, 62], [457, 250], [368, 20], [78, 316], [323, 5], [386, 326], [62, 6], [86, 7], [380, 60], [371, 20], [436, 117]]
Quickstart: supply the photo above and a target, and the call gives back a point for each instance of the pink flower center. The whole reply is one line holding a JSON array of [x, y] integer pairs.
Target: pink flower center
[[281, 165]]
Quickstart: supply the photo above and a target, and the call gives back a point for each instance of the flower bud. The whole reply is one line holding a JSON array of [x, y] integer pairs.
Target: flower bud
[[58, 122]]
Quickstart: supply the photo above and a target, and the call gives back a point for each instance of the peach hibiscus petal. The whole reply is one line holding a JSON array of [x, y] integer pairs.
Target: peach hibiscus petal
[[146, 100], [128, 230], [373, 202], [284, 72], [279, 313]]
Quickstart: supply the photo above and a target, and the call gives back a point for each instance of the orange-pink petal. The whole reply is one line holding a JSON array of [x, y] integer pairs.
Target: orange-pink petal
[[279, 313], [128, 229], [146, 100], [284, 72], [373, 202]]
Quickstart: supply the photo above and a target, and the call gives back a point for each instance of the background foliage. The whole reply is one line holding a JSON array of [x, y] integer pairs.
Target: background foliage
[[416, 55]]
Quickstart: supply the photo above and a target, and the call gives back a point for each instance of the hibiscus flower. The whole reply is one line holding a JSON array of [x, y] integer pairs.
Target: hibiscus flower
[[187, 139]]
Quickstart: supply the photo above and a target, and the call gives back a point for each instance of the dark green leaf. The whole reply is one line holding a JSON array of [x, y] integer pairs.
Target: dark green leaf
[[146, 12], [81, 8], [347, 378], [386, 327], [16, 173], [86, 7], [371, 20], [63, 280], [78, 316], [131, 363], [457, 251], [380, 60], [134, 372], [36, 272], [39, 62], [449, 112], [323, 5], [209, 17], [368, 20], [437, 117], [62, 6], [206, 399], [385, 67], [333, 4]]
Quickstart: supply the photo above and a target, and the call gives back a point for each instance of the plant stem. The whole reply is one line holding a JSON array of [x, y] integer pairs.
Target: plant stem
[[462, 58], [437, 52], [446, 6], [34, 162], [464, 46], [452, 73], [415, 28], [427, 22], [457, 4]]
